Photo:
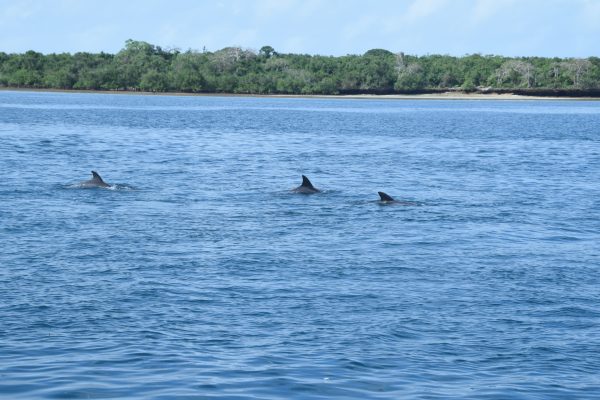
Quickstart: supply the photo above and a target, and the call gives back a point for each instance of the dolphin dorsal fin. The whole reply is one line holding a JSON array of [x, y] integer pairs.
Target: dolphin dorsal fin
[[385, 197], [96, 177], [306, 182]]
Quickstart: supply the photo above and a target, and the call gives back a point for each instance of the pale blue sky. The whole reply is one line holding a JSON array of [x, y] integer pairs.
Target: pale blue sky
[[563, 28]]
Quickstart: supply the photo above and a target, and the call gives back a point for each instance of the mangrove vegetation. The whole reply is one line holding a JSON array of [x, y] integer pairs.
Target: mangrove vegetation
[[141, 66]]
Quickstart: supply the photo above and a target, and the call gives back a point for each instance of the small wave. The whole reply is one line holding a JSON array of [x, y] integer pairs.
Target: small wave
[[576, 312], [562, 238], [122, 186], [400, 203], [115, 187]]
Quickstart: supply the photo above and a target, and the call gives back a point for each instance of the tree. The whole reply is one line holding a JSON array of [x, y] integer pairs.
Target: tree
[[137, 58], [410, 77], [141, 65], [186, 72], [578, 68], [227, 59], [516, 72], [266, 51], [377, 67], [153, 81]]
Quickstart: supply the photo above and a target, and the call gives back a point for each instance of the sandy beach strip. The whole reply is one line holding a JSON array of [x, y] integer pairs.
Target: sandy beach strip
[[426, 96]]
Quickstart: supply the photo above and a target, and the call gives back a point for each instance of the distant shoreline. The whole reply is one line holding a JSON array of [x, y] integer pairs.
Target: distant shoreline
[[450, 95]]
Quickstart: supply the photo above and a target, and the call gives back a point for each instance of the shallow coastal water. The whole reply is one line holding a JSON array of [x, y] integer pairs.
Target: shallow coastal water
[[200, 275]]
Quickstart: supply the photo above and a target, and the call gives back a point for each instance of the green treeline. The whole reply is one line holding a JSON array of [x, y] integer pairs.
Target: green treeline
[[145, 67]]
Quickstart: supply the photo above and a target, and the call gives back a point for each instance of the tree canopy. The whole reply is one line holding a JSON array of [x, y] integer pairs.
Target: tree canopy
[[146, 67]]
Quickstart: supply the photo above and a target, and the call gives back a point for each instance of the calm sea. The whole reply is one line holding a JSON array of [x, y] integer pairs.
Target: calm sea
[[199, 275]]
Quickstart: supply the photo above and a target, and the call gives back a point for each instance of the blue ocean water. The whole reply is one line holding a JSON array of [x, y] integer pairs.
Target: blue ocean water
[[199, 275]]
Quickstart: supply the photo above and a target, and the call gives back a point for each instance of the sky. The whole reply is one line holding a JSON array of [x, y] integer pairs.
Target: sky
[[548, 28]]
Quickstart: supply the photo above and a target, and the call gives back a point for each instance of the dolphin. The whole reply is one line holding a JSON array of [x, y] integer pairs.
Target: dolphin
[[385, 198], [95, 182], [306, 187]]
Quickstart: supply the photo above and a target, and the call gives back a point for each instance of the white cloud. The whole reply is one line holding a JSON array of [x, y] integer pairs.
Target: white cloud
[[591, 14], [308, 8], [294, 44], [420, 9], [96, 38], [486, 9], [244, 38], [269, 8], [169, 34], [358, 28], [19, 10]]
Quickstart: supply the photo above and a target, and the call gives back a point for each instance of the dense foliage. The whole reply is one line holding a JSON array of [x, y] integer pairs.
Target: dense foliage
[[143, 66]]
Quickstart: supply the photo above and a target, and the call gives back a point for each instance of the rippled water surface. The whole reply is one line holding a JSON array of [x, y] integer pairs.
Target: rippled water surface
[[198, 274]]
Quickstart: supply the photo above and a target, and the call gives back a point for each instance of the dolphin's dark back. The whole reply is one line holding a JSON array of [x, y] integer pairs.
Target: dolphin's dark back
[[97, 178], [306, 182], [385, 197], [96, 181], [306, 187]]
